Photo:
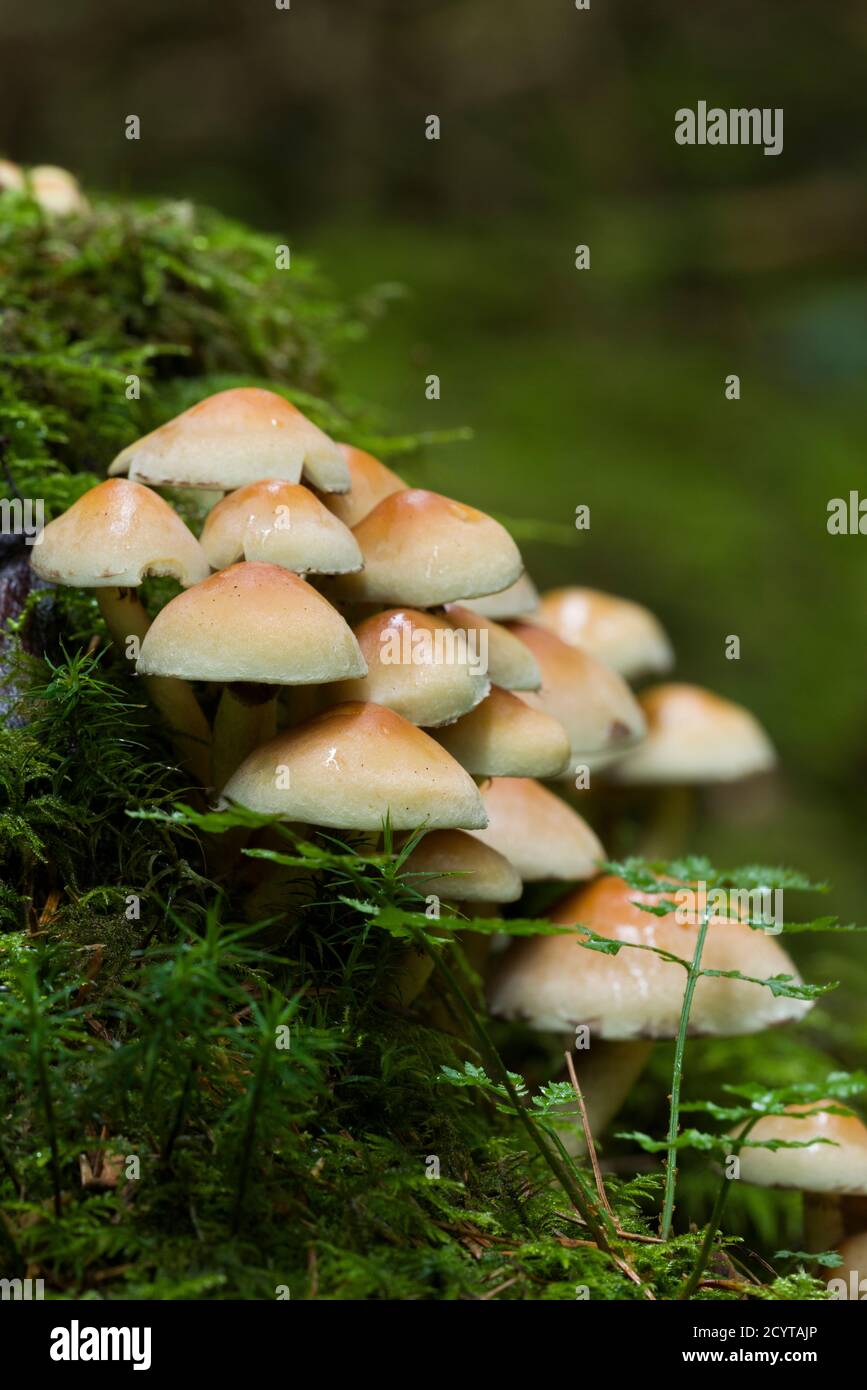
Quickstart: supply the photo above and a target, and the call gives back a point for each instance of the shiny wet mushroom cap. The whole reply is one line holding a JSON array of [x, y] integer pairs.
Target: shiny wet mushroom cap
[[510, 663], [233, 438], [352, 767], [114, 536], [519, 600]]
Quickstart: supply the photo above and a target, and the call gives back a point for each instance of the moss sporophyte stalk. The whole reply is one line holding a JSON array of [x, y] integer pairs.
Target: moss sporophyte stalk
[[291, 947]]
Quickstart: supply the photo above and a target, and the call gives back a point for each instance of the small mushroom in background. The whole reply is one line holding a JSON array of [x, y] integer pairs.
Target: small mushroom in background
[[110, 540], [510, 662], [852, 1272], [504, 737], [415, 667], [694, 738], [279, 523], [827, 1173], [423, 549], [593, 703], [624, 635], [253, 627], [351, 767], [56, 190], [629, 1000], [233, 438], [519, 600], [540, 835], [369, 483]]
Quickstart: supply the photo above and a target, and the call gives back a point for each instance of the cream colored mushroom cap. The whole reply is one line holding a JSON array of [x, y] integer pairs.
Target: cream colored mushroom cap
[[369, 482], [838, 1166], [593, 703], [230, 439], [424, 549], [538, 832], [351, 767], [251, 622], [695, 736], [415, 666], [115, 535], [503, 737], [519, 600], [481, 874], [510, 662], [554, 983], [281, 524], [56, 190], [625, 635]]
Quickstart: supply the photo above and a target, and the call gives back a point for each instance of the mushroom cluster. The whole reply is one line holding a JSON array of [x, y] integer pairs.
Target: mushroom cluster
[[378, 651]]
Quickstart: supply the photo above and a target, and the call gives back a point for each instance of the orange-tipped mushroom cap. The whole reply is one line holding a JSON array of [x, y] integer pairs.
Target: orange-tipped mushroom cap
[[251, 622], [625, 635], [695, 736], [114, 536], [233, 438], [280, 524], [503, 737], [538, 832], [554, 983], [352, 767], [417, 666], [424, 549], [369, 482]]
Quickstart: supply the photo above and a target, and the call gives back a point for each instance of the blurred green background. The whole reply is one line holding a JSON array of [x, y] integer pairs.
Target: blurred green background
[[605, 386]]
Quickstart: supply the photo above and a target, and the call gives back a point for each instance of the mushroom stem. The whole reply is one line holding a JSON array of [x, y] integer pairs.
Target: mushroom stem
[[246, 716], [606, 1074], [671, 814], [824, 1224], [126, 617]]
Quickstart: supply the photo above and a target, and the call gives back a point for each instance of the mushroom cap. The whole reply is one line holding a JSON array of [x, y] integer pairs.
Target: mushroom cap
[[486, 876], [519, 600], [353, 765], [282, 524], [56, 190], [415, 666], [510, 662], [369, 482], [11, 177], [251, 622], [593, 703], [537, 831], [113, 536], [503, 737], [854, 1254], [230, 439], [817, 1168], [695, 736], [625, 635], [424, 549], [554, 983]]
